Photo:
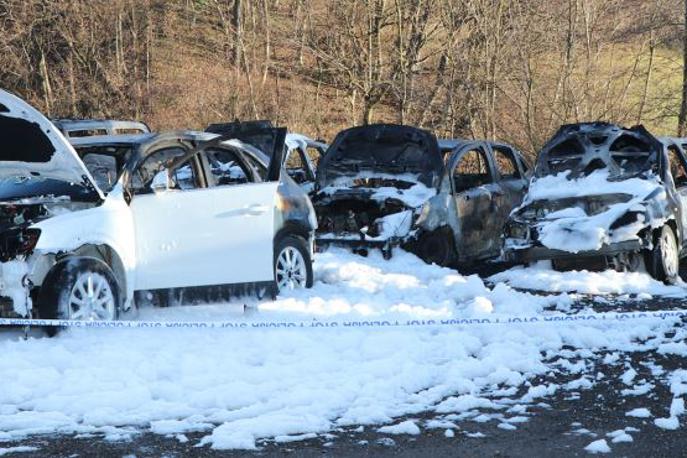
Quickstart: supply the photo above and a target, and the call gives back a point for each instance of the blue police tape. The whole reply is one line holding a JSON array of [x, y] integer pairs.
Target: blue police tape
[[558, 318]]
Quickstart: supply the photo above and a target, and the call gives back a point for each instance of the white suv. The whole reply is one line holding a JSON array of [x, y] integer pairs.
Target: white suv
[[179, 214]]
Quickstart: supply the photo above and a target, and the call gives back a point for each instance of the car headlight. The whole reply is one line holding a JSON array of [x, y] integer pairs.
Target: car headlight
[[517, 230]]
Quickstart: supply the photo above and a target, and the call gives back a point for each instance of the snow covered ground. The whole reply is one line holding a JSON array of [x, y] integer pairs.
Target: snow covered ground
[[243, 386]]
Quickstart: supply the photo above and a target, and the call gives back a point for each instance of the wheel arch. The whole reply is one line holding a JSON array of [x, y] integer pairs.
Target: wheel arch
[[292, 228], [101, 252]]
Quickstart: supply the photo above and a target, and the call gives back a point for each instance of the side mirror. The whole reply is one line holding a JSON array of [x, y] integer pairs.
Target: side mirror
[[161, 182]]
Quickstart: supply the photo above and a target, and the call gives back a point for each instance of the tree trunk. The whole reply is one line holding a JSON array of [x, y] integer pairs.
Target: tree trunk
[[682, 119]]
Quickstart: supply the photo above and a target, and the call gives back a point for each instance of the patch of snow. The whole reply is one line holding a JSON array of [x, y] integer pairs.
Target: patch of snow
[[638, 390], [405, 427], [628, 376], [449, 433], [598, 446], [670, 423], [641, 412], [294, 438], [386, 442], [542, 277], [19, 449], [619, 436]]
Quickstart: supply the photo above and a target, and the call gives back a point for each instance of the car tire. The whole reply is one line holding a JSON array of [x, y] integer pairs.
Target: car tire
[[292, 264], [663, 260], [436, 248], [79, 289]]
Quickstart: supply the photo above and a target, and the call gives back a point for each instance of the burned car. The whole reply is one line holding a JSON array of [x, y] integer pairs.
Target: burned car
[[78, 128], [389, 185], [84, 236], [604, 196], [301, 155]]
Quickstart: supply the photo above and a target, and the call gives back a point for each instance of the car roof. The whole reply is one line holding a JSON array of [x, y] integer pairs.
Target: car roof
[[95, 140], [85, 124], [452, 143], [140, 139]]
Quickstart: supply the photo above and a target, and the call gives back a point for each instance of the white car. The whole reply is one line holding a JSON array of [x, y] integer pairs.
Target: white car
[[154, 215]]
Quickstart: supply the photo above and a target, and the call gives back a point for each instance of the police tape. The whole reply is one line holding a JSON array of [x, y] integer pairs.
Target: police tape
[[553, 318]]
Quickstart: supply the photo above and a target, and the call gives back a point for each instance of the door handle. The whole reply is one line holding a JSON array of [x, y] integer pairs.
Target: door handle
[[255, 209]]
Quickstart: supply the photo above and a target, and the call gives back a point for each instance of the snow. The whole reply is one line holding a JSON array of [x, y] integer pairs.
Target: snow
[[558, 186], [670, 423], [12, 275], [413, 197], [572, 229], [641, 412], [541, 277], [406, 427], [20, 449], [239, 386], [598, 446], [620, 436]]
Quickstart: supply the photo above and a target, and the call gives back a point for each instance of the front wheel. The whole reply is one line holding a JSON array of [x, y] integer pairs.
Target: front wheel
[[292, 264], [663, 260], [79, 289]]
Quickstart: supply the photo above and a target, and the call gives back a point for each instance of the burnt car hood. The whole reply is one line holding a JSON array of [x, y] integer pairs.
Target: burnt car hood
[[34, 147], [580, 149], [383, 150]]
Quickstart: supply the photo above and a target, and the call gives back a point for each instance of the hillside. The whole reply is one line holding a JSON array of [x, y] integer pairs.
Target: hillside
[[482, 68]]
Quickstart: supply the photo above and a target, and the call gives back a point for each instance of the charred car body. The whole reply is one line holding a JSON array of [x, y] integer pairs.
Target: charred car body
[[149, 214], [604, 196], [387, 185]]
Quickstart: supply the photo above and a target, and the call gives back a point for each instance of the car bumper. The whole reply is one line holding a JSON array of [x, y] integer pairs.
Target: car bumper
[[541, 253], [324, 242]]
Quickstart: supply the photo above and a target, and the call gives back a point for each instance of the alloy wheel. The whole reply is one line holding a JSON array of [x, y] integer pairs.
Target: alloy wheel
[[91, 298], [668, 247], [291, 272]]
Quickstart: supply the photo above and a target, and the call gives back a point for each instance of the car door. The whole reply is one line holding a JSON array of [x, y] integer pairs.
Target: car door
[[243, 207], [176, 241], [476, 195], [510, 180]]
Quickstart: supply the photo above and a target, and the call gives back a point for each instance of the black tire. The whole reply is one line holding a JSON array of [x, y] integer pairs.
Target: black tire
[[53, 298], [436, 248], [662, 261], [299, 244]]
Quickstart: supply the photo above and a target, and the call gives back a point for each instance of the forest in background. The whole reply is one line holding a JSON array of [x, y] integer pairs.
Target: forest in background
[[507, 70]]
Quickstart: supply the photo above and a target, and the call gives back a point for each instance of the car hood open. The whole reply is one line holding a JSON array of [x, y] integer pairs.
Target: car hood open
[[34, 147], [382, 149]]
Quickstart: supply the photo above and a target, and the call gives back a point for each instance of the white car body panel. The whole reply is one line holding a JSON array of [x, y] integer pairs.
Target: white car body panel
[[109, 224], [202, 237]]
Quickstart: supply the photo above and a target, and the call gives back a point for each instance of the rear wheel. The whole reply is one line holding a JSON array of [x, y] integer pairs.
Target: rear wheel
[[663, 260], [436, 248], [79, 289], [292, 264]]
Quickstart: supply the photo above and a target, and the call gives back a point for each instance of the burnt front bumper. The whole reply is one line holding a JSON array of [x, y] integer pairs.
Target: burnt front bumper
[[357, 244], [538, 252]]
